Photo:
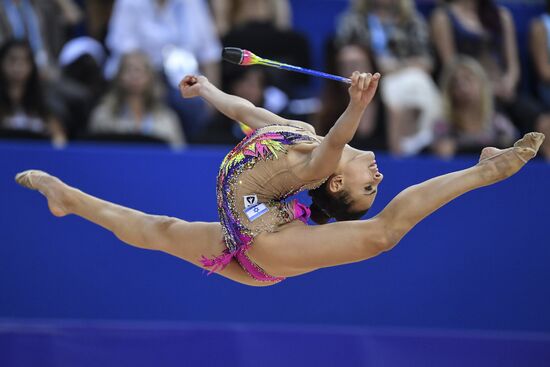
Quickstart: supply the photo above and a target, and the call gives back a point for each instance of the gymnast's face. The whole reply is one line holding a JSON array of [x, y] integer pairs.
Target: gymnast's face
[[361, 179]]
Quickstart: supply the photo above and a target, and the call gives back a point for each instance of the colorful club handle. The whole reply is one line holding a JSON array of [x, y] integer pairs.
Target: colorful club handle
[[246, 58]]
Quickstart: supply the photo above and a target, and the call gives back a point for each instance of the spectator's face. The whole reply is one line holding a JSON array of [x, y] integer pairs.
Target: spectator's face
[[465, 87], [250, 87], [351, 58], [136, 76], [17, 65]]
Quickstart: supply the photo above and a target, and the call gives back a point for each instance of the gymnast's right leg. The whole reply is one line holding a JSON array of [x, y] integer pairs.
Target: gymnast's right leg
[[186, 240]]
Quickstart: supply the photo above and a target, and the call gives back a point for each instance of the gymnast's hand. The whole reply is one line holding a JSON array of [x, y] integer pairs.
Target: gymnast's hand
[[191, 85], [362, 89]]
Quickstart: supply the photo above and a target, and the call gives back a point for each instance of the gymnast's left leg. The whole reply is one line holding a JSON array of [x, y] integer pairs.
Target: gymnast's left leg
[[301, 249], [186, 240]]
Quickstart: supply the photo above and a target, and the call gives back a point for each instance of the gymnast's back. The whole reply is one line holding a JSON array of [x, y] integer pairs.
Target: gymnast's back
[[257, 176]]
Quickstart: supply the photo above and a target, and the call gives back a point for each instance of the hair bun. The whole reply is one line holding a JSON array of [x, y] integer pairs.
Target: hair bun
[[318, 215]]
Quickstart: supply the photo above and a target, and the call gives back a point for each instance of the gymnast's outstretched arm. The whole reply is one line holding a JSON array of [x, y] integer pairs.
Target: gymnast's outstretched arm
[[324, 159], [236, 108]]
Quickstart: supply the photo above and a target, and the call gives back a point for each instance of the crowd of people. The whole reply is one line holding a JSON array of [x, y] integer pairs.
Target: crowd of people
[[108, 70]]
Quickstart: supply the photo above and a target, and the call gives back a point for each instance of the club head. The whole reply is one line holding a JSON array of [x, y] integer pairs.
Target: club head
[[233, 55]]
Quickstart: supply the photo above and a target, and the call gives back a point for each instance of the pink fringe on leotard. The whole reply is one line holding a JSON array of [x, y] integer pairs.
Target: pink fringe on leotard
[[300, 211]]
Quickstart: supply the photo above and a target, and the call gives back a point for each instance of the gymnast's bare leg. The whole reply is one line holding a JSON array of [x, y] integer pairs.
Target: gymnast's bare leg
[[296, 248], [186, 240], [299, 249]]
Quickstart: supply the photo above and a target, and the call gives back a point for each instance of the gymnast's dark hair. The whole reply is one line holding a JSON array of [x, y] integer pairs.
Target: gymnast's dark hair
[[325, 206]]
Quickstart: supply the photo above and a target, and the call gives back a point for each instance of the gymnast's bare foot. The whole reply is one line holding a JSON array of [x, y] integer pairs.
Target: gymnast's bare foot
[[499, 164], [51, 187]]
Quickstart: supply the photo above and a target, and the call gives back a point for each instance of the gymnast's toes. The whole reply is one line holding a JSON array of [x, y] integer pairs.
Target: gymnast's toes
[[28, 178], [51, 187], [527, 147]]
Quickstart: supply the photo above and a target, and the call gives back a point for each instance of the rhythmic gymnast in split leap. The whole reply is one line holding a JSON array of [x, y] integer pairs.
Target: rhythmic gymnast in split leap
[[261, 238]]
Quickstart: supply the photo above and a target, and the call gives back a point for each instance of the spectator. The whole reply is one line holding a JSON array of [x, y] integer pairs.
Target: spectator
[[344, 60], [248, 83], [82, 83], [231, 14], [471, 121], [539, 49], [155, 27], [44, 24], [398, 37], [23, 106], [134, 105], [264, 27], [485, 31], [98, 14]]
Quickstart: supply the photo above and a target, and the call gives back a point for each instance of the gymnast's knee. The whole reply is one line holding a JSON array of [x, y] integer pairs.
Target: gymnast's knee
[[158, 230], [385, 237]]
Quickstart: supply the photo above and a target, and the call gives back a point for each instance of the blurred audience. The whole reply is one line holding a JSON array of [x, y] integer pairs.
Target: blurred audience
[[471, 122], [134, 105], [97, 16], [53, 86], [152, 25], [44, 24], [398, 37], [344, 59], [23, 106], [485, 31], [248, 83], [174, 34], [231, 14], [81, 84], [264, 27], [539, 49]]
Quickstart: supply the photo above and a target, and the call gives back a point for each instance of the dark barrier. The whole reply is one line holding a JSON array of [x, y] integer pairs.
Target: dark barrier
[[481, 262]]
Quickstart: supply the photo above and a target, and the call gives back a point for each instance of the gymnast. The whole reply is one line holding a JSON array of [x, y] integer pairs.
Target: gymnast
[[262, 238]]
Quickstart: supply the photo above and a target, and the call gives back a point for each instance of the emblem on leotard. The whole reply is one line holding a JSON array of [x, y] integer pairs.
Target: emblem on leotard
[[256, 211], [250, 200]]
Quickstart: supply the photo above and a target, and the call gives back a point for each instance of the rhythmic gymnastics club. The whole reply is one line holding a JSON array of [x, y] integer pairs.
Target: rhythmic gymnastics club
[[246, 58]]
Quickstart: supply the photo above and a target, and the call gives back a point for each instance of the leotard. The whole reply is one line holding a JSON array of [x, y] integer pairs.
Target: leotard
[[254, 180]]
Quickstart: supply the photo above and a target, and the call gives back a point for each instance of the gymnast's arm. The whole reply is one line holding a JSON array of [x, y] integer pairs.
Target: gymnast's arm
[[324, 159], [236, 108]]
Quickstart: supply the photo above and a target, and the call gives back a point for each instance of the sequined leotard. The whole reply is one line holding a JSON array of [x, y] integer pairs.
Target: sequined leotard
[[254, 180]]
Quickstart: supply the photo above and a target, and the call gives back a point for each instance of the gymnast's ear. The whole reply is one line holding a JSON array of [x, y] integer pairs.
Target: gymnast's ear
[[335, 183]]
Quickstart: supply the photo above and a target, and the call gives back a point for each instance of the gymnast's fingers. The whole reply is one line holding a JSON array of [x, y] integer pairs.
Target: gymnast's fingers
[[188, 80], [374, 81], [354, 78], [362, 80], [368, 79]]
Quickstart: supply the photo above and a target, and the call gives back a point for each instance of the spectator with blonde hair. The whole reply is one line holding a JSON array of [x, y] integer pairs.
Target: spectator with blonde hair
[[134, 105], [398, 36], [470, 120], [179, 36], [485, 31]]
